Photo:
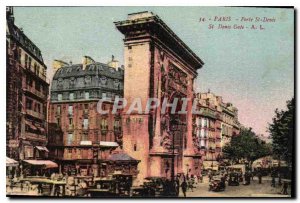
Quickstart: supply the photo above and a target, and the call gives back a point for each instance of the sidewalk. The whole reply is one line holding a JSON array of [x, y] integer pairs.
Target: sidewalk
[[252, 190]]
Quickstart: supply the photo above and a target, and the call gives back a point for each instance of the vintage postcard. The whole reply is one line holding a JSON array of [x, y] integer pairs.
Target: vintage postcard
[[150, 102]]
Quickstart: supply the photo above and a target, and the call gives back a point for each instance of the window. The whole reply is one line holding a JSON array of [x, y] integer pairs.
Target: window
[[205, 123], [71, 96], [58, 121], [84, 137], [37, 86], [117, 126], [70, 121], [29, 62], [58, 110], [38, 108], [59, 97], [26, 60], [70, 110], [104, 125], [72, 82], [86, 95], [29, 81], [103, 95], [20, 54], [28, 151], [70, 139], [35, 67], [85, 123], [86, 109], [28, 104]]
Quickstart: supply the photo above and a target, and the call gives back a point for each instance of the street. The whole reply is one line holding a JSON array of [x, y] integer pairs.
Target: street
[[252, 190]]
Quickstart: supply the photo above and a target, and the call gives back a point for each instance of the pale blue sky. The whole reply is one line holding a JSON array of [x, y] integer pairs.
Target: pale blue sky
[[252, 69]]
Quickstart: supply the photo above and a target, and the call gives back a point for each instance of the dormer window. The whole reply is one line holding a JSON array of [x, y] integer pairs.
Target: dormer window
[[60, 82], [103, 80], [59, 97], [86, 95], [87, 80], [91, 67], [117, 84]]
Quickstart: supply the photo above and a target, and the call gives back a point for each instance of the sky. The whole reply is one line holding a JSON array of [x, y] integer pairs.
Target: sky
[[253, 69]]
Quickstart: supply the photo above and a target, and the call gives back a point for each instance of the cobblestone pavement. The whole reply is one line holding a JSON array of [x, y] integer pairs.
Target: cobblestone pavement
[[252, 190]]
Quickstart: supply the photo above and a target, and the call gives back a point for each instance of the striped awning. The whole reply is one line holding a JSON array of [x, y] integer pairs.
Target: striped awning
[[44, 163], [42, 148], [11, 162], [86, 143], [108, 144]]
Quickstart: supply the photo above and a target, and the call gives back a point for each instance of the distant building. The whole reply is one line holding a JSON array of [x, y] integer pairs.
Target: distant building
[[82, 140], [26, 95], [214, 126]]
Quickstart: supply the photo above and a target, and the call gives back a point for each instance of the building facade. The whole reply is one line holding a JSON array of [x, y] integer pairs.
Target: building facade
[[214, 127], [81, 139], [26, 96], [158, 65]]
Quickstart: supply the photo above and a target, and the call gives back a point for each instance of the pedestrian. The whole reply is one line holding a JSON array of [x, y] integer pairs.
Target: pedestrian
[[273, 182], [177, 185], [196, 179], [284, 188], [191, 183], [279, 179], [209, 176], [184, 187], [259, 177], [40, 188]]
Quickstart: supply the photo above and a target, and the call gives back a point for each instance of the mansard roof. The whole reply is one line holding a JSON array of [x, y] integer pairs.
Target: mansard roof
[[93, 69]]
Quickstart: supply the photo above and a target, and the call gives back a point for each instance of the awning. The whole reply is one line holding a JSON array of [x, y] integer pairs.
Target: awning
[[11, 162], [45, 163], [108, 144], [86, 143], [42, 148], [121, 157]]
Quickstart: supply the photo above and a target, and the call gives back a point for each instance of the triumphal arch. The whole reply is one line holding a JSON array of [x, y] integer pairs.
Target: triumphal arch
[[158, 64]]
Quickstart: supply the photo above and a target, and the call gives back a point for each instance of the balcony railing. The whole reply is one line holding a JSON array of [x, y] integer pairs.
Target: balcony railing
[[35, 92], [35, 114], [35, 136]]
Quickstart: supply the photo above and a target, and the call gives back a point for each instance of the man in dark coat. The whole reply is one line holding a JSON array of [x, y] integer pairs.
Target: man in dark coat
[[184, 187]]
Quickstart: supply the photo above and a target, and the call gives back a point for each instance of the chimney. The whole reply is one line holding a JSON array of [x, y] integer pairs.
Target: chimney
[[86, 60], [113, 63], [57, 64]]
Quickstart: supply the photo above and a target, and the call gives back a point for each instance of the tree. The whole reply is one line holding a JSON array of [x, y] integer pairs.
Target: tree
[[282, 132], [246, 146]]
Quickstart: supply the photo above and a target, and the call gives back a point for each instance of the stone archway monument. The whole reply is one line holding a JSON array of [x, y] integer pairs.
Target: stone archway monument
[[158, 64]]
